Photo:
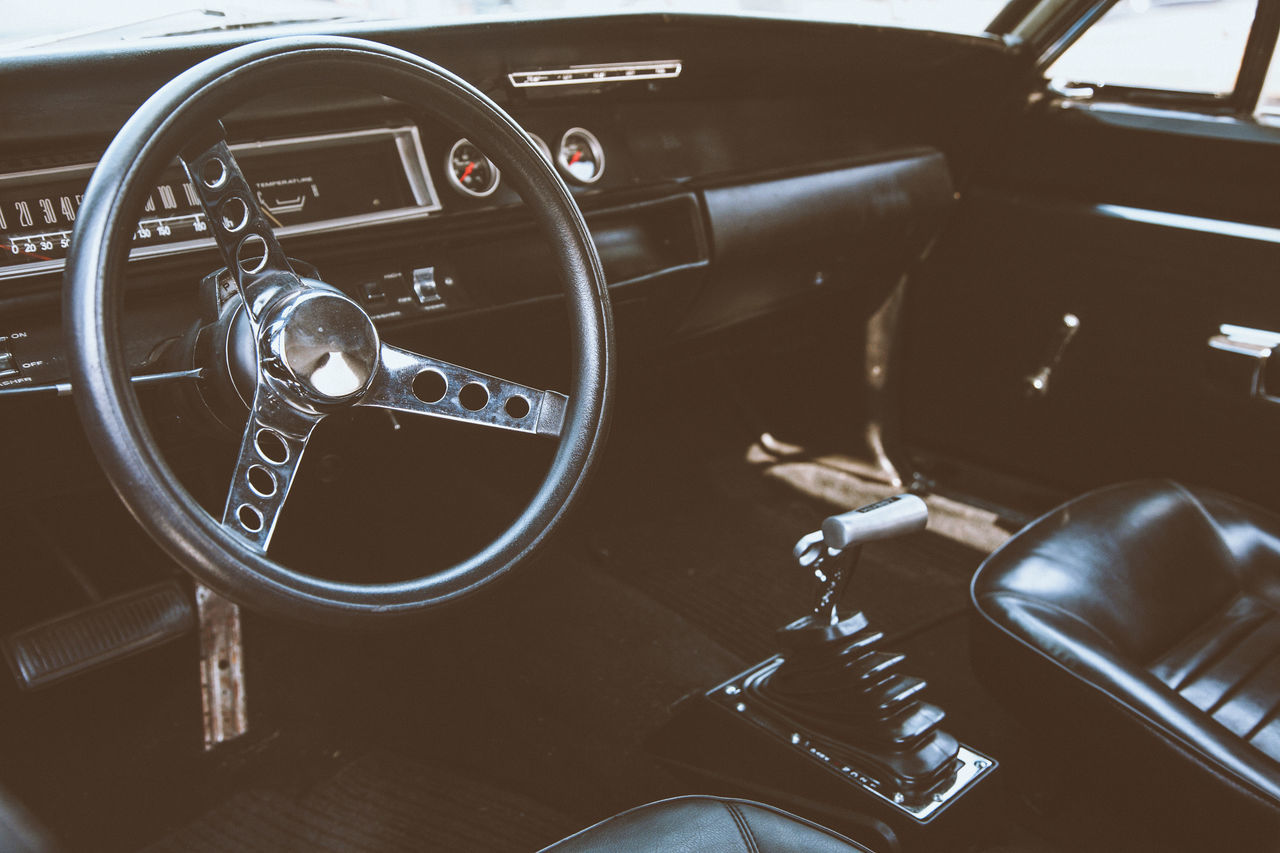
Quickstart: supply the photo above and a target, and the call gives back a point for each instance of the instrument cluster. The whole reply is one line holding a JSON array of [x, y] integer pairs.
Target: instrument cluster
[[304, 185], [578, 155]]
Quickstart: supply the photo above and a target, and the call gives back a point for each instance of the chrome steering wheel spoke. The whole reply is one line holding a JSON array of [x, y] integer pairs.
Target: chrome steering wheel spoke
[[275, 438], [408, 382], [238, 224]]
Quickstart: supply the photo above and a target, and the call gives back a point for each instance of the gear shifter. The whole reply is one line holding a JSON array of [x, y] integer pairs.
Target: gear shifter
[[833, 701], [834, 681]]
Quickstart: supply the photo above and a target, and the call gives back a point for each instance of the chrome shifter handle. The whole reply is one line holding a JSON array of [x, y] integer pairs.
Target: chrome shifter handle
[[884, 519], [832, 552]]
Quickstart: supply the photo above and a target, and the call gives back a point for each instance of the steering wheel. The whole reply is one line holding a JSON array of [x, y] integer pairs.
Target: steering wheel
[[317, 351]]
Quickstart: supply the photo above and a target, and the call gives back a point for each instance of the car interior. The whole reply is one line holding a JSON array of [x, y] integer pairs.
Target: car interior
[[763, 426]]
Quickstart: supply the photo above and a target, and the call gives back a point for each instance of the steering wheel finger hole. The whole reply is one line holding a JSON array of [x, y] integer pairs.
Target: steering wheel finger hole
[[261, 481], [213, 174], [430, 386], [235, 214], [473, 397], [249, 517], [252, 254], [271, 446], [517, 407]]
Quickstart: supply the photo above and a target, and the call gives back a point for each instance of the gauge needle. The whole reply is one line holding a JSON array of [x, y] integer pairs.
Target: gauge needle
[[577, 155], [466, 173]]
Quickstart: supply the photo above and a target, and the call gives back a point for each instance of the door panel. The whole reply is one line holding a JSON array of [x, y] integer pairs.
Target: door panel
[[1132, 224]]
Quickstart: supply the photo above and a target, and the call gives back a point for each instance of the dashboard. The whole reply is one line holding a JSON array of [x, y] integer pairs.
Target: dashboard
[[723, 173], [306, 185]]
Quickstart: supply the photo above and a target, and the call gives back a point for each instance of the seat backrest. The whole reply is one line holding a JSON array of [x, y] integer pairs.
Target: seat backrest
[[1119, 590], [1131, 569]]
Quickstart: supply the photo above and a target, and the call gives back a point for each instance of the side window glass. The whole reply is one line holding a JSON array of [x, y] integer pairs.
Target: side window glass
[[1166, 45]]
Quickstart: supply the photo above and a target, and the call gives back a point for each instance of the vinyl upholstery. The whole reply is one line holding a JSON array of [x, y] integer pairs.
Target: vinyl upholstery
[[1149, 612], [697, 824]]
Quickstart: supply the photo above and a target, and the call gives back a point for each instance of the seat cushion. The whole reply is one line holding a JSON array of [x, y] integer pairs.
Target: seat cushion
[[1145, 612], [694, 824]]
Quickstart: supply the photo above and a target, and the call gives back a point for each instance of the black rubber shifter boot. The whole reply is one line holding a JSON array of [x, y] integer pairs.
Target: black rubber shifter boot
[[834, 681]]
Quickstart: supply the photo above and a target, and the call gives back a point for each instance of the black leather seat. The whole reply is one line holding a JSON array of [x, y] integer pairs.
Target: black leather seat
[[1144, 621], [694, 824]]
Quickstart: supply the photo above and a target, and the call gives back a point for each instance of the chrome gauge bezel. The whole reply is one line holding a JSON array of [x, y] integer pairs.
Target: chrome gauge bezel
[[543, 147], [457, 184], [597, 150]]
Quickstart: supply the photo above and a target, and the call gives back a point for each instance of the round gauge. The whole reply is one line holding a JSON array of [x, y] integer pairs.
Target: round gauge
[[470, 171], [581, 156], [542, 146]]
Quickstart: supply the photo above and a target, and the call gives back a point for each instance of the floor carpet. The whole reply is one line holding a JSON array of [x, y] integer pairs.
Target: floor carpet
[[377, 802]]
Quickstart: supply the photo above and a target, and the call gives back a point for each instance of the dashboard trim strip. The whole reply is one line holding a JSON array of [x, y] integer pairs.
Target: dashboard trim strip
[[585, 75]]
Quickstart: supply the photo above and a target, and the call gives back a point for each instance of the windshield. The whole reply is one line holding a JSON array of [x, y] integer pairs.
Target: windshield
[[85, 22]]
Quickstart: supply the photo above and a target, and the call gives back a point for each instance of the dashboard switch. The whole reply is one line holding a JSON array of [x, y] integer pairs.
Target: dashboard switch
[[425, 289], [8, 364], [382, 290]]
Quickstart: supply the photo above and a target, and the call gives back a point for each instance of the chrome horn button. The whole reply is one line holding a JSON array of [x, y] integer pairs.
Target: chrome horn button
[[325, 343]]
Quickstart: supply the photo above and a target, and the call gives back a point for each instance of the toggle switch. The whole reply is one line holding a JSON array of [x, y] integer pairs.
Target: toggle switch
[[373, 292], [425, 289]]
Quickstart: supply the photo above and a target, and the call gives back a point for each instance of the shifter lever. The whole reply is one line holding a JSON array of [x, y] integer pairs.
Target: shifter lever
[[832, 552], [834, 681], [833, 695]]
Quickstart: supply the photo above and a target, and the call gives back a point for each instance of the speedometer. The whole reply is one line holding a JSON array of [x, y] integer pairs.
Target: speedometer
[[470, 171]]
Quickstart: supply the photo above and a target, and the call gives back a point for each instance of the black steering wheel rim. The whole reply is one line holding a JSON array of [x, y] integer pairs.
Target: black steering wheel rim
[[109, 409]]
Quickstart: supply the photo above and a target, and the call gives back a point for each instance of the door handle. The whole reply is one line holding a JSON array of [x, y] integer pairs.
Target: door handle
[[1036, 384], [1239, 357], [1069, 89]]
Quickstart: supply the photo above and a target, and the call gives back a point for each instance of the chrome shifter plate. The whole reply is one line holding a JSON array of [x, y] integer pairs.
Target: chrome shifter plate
[[732, 696]]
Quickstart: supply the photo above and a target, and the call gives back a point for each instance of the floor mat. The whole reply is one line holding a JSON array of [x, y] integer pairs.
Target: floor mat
[[377, 803], [846, 481], [728, 524]]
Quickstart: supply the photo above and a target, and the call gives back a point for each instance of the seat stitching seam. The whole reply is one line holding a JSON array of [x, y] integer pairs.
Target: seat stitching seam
[[1263, 722], [1175, 738], [744, 830], [1233, 690], [1195, 673]]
